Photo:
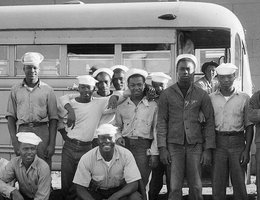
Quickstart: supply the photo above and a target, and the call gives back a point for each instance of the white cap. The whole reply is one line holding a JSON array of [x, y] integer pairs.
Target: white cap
[[190, 56], [32, 58], [87, 80], [122, 67], [133, 71], [226, 69], [28, 137], [160, 77], [106, 129], [106, 70]]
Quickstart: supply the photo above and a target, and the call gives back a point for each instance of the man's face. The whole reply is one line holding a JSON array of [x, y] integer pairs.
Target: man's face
[[86, 91], [136, 86], [103, 84], [159, 87], [31, 73], [27, 152], [106, 142], [226, 81], [118, 80], [210, 72], [185, 71]]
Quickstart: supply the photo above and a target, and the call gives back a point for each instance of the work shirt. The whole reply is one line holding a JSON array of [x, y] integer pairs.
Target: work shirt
[[138, 121], [92, 165], [36, 104], [254, 115], [231, 114], [204, 84], [88, 116], [178, 117], [35, 182]]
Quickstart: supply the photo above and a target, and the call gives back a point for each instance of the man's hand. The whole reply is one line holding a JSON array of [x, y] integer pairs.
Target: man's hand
[[206, 158], [113, 197], [71, 118], [63, 133], [16, 195], [120, 141], [165, 156], [112, 102], [49, 151], [154, 161], [244, 158], [150, 92]]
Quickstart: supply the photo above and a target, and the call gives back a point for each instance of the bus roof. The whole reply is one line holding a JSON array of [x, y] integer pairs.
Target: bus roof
[[117, 15]]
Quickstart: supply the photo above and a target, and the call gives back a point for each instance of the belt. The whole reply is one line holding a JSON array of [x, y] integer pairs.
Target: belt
[[78, 142], [137, 138], [229, 133], [33, 124]]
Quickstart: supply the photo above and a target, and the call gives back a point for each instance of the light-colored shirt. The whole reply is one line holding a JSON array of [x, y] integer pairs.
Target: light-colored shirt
[[138, 121], [88, 116], [32, 105], [35, 182], [204, 84], [231, 114], [92, 165]]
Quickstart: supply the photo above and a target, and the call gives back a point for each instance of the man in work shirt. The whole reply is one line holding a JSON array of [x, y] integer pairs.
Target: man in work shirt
[[181, 143], [32, 106], [234, 134], [31, 172], [118, 78], [108, 171], [136, 119]]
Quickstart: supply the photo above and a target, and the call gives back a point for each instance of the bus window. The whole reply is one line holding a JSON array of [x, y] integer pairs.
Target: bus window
[[4, 61], [81, 57], [150, 57], [51, 63]]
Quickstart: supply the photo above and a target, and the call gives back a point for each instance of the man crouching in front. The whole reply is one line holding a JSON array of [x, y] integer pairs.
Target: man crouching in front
[[108, 171]]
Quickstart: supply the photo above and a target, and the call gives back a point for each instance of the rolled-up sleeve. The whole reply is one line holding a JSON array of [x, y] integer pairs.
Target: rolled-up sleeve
[[12, 105], [52, 106], [162, 121], [208, 111], [66, 98], [7, 175]]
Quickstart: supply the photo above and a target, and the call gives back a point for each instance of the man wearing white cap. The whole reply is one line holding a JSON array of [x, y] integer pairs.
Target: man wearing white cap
[[234, 134], [159, 82], [118, 79], [88, 112], [136, 119], [31, 172], [32, 106], [182, 145], [108, 171], [103, 77]]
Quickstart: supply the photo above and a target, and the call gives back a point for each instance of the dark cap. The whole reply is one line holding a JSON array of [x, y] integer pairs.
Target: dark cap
[[206, 64]]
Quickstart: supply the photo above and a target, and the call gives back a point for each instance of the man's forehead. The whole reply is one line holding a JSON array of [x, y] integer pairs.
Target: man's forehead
[[31, 66]]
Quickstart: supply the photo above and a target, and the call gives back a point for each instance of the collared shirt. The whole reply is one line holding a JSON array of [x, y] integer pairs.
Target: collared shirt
[[254, 115], [231, 114], [35, 182], [88, 116], [204, 84], [178, 117], [138, 121], [36, 104], [92, 165]]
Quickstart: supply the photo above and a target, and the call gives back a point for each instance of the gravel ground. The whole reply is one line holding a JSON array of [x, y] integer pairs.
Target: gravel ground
[[207, 191]]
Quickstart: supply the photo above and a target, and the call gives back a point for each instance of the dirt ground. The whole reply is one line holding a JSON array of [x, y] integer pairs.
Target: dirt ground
[[207, 191]]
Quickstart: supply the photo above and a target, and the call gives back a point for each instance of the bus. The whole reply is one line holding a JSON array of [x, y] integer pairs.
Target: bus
[[75, 37]]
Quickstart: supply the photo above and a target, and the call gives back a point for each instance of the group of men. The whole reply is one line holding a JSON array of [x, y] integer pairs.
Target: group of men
[[115, 139]]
